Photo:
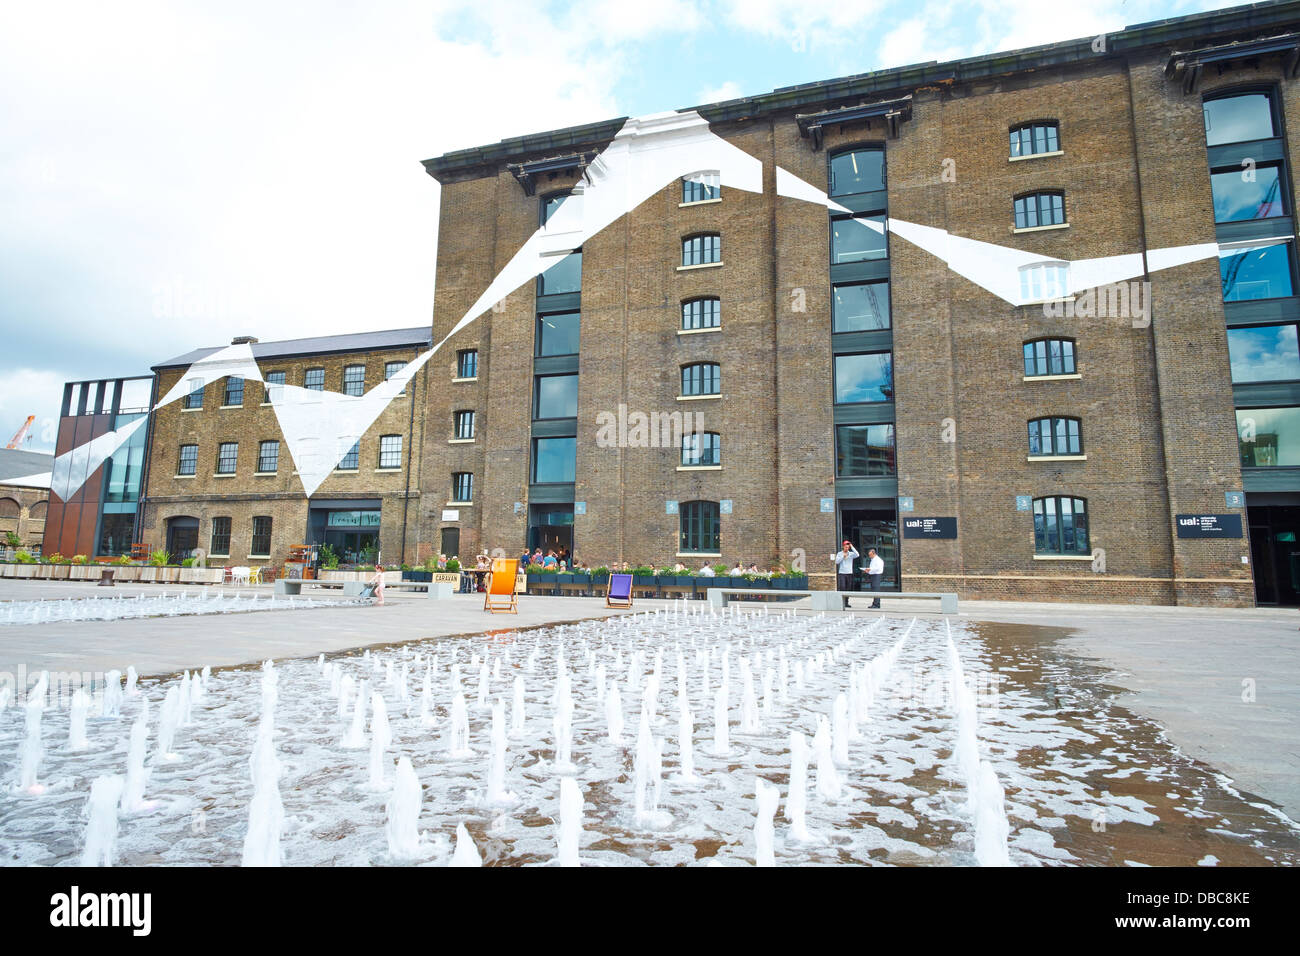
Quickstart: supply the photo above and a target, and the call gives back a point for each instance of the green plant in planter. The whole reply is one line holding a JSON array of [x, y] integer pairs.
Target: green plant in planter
[[24, 557], [453, 564], [159, 558], [665, 572], [642, 571], [430, 563], [531, 569], [720, 569], [329, 558], [187, 563], [598, 572], [57, 558], [12, 539], [123, 560], [80, 559]]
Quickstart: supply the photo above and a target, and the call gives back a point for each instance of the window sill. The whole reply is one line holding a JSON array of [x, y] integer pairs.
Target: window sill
[[701, 265], [265, 474], [473, 379], [696, 554], [1056, 225], [1020, 159], [224, 474], [460, 441], [229, 406], [699, 202], [215, 555], [1057, 458], [1052, 301], [347, 471], [260, 557], [184, 476], [265, 404], [1062, 557], [388, 471], [460, 504], [713, 328], [199, 409], [699, 468], [1052, 378], [697, 398]]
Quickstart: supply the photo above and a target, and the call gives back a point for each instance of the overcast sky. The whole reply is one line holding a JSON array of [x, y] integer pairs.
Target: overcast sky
[[173, 174]]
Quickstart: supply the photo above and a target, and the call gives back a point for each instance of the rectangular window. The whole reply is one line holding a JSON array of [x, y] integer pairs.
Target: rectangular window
[[703, 378], [700, 527], [1264, 353], [464, 424], [352, 460], [194, 398], [390, 451], [699, 187], [234, 391], [702, 314], [1257, 272], [462, 486], [555, 460], [1049, 357], [1040, 209], [853, 240], [1060, 526], [274, 387], [701, 449], [700, 250], [314, 379], [1239, 119], [564, 276], [261, 537], [1268, 437], [1245, 194], [557, 333], [866, 377], [354, 380], [268, 456], [467, 363], [220, 537], [227, 457], [391, 369], [857, 171], [864, 451], [1054, 436], [862, 307], [188, 462], [556, 396], [1035, 138]]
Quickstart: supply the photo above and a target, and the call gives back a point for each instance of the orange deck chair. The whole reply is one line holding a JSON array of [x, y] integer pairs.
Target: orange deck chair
[[500, 592]]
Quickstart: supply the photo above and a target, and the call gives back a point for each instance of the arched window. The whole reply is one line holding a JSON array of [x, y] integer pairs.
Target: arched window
[[1041, 281], [9, 510], [858, 169], [1061, 526], [702, 249], [702, 313], [1049, 357], [1039, 209], [1055, 436], [37, 511], [701, 187], [1029, 139], [701, 448], [700, 527], [702, 378], [1240, 116]]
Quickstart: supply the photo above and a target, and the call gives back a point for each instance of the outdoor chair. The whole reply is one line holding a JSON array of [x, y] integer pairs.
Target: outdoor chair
[[619, 593], [499, 595]]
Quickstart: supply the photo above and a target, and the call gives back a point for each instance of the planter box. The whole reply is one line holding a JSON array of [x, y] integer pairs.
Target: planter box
[[44, 571], [169, 575], [580, 578], [643, 580], [24, 570], [7, 570], [83, 572], [127, 573], [60, 572], [148, 574]]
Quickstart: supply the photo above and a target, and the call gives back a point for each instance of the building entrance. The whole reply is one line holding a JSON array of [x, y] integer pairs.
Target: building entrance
[[1275, 552], [871, 523], [550, 527], [182, 537]]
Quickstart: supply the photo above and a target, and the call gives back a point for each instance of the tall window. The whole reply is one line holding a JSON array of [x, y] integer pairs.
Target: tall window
[[1262, 271], [861, 307], [274, 387], [1049, 357], [391, 369], [234, 390], [700, 527], [703, 313], [220, 537], [1245, 194], [1032, 138], [227, 457], [557, 333], [555, 460], [261, 537], [699, 187], [194, 397], [1264, 353], [1061, 526], [859, 170], [864, 451], [462, 486], [467, 363], [701, 448], [1269, 437], [354, 380], [1039, 209], [314, 379], [564, 276], [352, 460], [465, 424], [555, 396], [188, 461], [390, 451], [864, 377], [268, 456], [702, 249], [1055, 436], [1240, 118], [853, 240], [702, 378]]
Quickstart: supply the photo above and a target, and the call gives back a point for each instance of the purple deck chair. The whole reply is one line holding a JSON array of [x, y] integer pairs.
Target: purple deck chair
[[620, 591]]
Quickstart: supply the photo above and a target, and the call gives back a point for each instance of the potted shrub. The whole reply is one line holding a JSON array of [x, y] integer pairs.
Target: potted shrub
[[453, 564], [643, 574], [540, 574], [600, 575]]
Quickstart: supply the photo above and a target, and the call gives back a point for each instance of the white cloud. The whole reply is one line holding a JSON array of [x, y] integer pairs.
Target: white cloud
[[30, 391], [729, 90]]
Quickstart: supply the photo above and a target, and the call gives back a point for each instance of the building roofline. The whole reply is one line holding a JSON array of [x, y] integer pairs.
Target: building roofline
[[895, 81], [420, 336]]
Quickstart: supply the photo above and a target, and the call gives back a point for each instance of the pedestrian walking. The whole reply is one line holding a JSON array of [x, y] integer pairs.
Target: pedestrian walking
[[844, 559]]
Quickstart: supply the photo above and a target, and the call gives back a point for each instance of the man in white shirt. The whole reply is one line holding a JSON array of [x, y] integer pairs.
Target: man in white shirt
[[875, 571], [844, 568], [706, 571]]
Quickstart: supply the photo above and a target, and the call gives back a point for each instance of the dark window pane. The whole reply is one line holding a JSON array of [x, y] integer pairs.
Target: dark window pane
[[852, 240], [1268, 436], [261, 536], [194, 398], [390, 451], [467, 363], [268, 456], [273, 386], [701, 314], [1257, 272], [702, 449], [464, 424], [1267, 353], [555, 459], [314, 379], [864, 451], [858, 308], [220, 544], [699, 526], [352, 460], [189, 460], [462, 486], [864, 378], [227, 457], [354, 380], [704, 378], [557, 396], [1236, 119], [857, 171], [699, 250], [557, 334], [564, 276], [234, 391]]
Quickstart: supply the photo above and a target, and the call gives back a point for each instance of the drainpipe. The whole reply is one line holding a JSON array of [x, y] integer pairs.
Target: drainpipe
[[410, 432], [138, 526]]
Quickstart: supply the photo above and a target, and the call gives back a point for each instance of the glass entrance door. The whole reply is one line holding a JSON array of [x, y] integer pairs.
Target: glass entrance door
[[868, 528]]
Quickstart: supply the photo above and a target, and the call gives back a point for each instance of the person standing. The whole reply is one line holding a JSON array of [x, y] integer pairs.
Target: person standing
[[875, 571], [844, 569]]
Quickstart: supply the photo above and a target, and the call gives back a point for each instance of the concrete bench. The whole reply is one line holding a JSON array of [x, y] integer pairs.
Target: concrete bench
[[354, 588], [288, 586], [834, 600]]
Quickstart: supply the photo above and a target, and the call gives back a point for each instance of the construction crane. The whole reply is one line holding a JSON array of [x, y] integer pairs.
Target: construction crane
[[21, 436]]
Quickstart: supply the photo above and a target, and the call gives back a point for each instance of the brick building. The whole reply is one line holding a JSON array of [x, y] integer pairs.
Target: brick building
[[853, 382], [221, 475], [24, 498]]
